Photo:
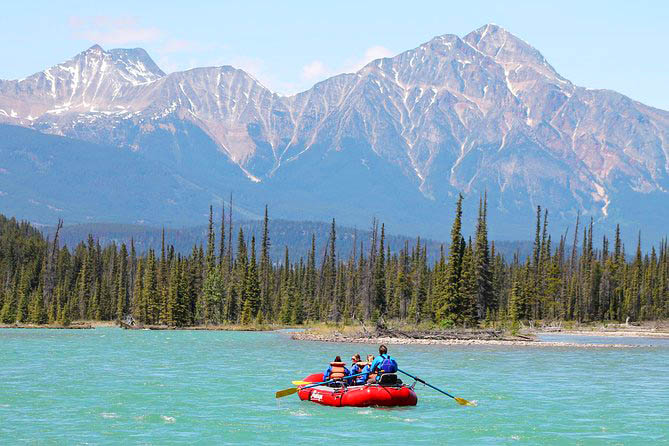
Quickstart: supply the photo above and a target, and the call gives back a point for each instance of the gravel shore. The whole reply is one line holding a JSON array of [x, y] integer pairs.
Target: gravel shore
[[338, 337]]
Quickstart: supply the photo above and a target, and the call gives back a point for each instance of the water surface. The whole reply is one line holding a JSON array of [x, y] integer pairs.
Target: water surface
[[109, 386]]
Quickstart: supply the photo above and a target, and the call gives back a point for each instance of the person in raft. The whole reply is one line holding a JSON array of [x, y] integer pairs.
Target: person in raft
[[336, 371], [383, 363], [360, 367]]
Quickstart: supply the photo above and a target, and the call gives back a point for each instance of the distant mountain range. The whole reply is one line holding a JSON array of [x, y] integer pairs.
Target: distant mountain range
[[296, 235], [113, 138]]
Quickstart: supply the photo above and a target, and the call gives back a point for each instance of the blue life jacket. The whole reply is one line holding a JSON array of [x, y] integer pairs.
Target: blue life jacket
[[388, 365], [362, 379]]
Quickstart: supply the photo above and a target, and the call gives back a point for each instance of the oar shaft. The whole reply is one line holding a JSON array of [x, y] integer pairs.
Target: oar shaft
[[427, 384]]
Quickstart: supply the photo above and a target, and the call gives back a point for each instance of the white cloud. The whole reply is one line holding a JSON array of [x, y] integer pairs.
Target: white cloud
[[371, 53], [314, 70], [317, 70], [107, 30]]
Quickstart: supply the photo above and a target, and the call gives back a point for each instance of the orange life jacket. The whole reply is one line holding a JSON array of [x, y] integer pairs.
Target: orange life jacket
[[338, 370]]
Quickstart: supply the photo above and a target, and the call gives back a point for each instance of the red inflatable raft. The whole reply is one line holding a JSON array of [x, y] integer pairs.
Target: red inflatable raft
[[358, 396]]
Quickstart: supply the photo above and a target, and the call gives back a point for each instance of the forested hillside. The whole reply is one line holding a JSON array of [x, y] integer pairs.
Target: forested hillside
[[231, 279]]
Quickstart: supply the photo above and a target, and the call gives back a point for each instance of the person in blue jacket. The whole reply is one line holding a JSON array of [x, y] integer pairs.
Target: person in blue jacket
[[384, 363], [356, 369], [337, 369]]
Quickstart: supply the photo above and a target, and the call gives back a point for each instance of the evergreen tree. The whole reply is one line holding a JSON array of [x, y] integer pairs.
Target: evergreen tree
[[380, 277], [451, 303], [485, 299], [37, 312], [138, 304], [8, 312], [252, 288], [469, 288]]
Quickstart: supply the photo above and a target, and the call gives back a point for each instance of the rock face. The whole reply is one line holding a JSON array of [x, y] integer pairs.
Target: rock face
[[398, 139]]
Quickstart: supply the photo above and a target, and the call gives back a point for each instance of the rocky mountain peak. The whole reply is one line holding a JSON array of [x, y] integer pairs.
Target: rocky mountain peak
[[138, 60], [510, 51], [485, 112], [95, 49]]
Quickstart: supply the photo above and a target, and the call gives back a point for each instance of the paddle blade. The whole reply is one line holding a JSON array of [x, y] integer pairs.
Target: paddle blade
[[286, 392], [464, 402], [301, 383]]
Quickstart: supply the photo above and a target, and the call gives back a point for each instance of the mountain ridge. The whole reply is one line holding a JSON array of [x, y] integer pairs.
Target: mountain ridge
[[485, 112]]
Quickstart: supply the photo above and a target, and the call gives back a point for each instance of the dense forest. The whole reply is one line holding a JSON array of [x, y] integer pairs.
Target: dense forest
[[231, 279]]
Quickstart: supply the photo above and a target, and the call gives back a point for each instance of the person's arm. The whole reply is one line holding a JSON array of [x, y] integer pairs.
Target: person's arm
[[375, 364], [365, 374], [326, 375]]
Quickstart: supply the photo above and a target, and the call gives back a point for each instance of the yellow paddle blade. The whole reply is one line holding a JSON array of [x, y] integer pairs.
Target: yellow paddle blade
[[301, 383], [464, 402], [286, 392]]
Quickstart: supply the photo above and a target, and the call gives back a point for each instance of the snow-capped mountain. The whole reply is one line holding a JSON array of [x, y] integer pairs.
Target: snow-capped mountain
[[398, 139]]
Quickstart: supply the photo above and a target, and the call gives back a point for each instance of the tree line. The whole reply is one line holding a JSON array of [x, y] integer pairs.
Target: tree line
[[232, 280]]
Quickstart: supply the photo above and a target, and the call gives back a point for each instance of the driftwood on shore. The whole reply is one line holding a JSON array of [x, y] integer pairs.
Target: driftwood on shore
[[448, 335], [453, 337]]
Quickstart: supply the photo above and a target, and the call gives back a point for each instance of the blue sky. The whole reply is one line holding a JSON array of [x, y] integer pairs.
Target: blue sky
[[288, 46]]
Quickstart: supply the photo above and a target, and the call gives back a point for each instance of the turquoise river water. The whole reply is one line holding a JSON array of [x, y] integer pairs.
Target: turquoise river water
[[110, 386]]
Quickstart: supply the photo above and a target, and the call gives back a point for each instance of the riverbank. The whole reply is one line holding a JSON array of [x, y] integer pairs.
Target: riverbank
[[75, 326], [527, 337], [89, 325], [658, 329], [227, 327], [307, 336]]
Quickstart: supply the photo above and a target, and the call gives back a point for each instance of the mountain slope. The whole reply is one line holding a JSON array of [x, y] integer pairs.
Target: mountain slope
[[398, 139], [49, 176]]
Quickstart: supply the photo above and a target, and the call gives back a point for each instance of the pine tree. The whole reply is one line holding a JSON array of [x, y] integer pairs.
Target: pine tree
[[252, 288], [485, 298], [296, 307], [221, 246], [380, 277], [8, 312], [212, 299], [287, 292], [310, 287], [37, 312], [24, 289], [469, 289], [183, 311], [211, 242], [265, 266], [150, 296], [122, 284], [84, 292], [172, 316], [138, 304], [516, 307], [451, 303]]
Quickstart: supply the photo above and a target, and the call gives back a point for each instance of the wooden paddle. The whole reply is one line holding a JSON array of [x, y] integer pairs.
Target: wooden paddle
[[291, 390]]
